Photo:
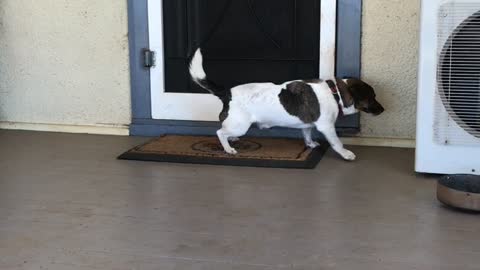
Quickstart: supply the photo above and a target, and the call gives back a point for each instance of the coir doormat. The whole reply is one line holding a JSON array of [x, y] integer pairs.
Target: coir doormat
[[254, 152]]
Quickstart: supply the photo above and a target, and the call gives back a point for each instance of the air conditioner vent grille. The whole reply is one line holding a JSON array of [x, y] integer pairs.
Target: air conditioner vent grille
[[457, 119]]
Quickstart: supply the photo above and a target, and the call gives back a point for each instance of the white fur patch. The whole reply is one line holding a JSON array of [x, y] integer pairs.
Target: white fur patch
[[196, 66]]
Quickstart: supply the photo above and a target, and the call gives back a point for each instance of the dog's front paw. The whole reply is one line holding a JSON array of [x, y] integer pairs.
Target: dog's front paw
[[348, 155], [313, 145], [231, 151]]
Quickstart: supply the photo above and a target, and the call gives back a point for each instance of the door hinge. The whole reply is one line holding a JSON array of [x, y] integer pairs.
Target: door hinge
[[149, 58]]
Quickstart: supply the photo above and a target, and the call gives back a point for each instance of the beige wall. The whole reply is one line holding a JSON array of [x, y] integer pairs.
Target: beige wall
[[64, 62], [389, 63]]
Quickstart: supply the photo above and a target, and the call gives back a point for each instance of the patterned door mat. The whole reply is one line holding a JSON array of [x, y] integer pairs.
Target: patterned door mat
[[253, 152]]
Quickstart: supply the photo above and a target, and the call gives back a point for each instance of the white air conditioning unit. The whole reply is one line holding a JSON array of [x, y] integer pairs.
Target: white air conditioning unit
[[448, 110]]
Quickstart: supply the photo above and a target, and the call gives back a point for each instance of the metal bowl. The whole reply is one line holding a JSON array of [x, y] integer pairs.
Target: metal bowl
[[460, 191]]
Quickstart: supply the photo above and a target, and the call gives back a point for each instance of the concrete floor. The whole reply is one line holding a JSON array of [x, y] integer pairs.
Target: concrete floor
[[66, 203]]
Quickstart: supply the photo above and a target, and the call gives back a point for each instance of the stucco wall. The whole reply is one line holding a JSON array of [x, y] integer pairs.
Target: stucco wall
[[389, 62], [64, 62]]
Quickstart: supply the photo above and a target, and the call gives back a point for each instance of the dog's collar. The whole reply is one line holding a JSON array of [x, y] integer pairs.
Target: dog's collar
[[336, 95]]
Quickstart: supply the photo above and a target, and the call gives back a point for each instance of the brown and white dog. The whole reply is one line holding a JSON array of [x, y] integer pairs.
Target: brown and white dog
[[296, 104]]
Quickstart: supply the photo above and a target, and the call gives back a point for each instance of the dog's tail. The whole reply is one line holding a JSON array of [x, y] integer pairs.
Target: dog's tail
[[199, 76]]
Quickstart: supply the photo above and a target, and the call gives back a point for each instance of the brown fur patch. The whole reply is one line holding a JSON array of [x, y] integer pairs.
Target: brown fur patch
[[345, 93], [300, 100]]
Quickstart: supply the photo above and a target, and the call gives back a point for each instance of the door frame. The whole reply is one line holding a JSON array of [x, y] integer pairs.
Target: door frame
[[346, 63], [165, 104]]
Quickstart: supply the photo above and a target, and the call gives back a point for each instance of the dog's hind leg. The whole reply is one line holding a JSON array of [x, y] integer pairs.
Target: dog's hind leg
[[232, 127], [233, 139], [307, 136], [223, 135], [227, 132]]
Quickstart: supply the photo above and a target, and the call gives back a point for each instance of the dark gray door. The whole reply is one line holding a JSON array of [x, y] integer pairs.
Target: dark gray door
[[243, 40]]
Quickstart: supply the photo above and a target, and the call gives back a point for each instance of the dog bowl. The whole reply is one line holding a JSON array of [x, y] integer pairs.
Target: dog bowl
[[460, 191]]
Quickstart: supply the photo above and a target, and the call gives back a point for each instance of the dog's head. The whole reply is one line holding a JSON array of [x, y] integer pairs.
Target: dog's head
[[363, 96]]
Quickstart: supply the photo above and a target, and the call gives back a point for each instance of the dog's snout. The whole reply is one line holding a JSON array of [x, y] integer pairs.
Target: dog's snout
[[377, 109], [381, 110]]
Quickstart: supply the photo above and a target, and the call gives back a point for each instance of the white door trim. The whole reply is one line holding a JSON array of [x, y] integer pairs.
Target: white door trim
[[201, 107], [328, 33]]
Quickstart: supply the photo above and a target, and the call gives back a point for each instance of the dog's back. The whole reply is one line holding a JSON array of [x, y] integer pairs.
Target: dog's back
[[291, 104]]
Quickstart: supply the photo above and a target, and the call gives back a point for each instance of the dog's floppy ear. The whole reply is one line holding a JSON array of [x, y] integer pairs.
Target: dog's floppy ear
[[347, 97]]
